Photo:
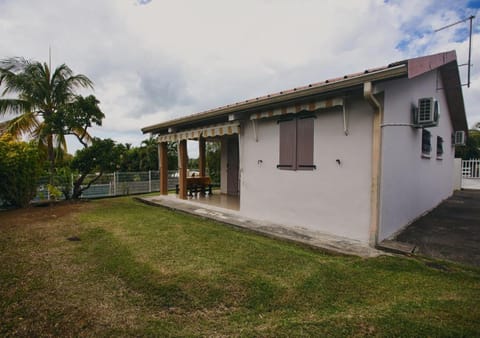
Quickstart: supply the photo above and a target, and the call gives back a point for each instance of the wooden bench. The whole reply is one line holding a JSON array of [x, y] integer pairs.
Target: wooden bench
[[197, 184]]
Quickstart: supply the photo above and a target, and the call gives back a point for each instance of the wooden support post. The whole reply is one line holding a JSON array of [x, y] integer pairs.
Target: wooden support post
[[163, 167], [201, 157], [182, 169]]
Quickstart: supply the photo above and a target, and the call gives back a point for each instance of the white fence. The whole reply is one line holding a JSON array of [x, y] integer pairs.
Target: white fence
[[471, 168], [471, 174], [114, 184]]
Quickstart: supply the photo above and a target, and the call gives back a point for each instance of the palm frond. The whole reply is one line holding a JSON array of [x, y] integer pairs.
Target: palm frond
[[60, 144], [10, 81], [25, 79], [14, 64], [3, 127], [23, 124], [14, 106], [80, 80], [83, 136], [63, 85], [37, 132]]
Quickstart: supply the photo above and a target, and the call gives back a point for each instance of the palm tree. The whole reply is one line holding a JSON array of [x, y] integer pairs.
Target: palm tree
[[33, 95], [149, 154]]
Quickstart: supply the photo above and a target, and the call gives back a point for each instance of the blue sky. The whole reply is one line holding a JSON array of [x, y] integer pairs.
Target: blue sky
[[155, 60]]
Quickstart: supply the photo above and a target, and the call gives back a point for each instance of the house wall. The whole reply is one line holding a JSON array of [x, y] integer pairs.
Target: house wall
[[333, 198], [457, 174], [411, 184]]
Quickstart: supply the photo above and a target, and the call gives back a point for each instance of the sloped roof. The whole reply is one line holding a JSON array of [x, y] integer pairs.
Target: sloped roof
[[411, 68]]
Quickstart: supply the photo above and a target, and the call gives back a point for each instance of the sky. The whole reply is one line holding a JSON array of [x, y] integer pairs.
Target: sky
[[154, 60]]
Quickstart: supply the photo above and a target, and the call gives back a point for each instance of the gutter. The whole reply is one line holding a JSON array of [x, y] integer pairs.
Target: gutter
[[376, 162]]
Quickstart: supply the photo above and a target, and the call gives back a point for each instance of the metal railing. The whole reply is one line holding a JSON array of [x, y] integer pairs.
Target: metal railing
[[111, 184]]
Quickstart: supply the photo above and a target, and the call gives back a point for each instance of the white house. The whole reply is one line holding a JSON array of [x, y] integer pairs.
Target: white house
[[359, 156]]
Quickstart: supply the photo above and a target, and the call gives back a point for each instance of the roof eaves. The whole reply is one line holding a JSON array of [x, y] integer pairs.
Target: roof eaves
[[453, 93], [331, 85]]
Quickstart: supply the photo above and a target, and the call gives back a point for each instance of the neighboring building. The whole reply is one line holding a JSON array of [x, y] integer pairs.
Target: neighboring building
[[360, 156]]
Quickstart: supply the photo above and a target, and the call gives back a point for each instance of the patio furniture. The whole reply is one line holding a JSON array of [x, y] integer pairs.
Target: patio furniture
[[198, 184]]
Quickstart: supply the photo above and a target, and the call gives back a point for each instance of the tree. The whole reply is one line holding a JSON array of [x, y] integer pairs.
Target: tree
[[213, 158], [172, 155], [75, 118], [129, 158], [20, 168], [101, 156], [193, 163], [143, 158], [471, 149], [39, 99], [148, 154]]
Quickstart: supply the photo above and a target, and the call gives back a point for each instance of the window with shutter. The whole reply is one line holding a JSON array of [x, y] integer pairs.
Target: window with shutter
[[426, 143], [439, 147], [296, 144]]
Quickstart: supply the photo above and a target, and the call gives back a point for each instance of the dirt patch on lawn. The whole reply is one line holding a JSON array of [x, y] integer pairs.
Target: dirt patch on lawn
[[47, 286], [41, 213]]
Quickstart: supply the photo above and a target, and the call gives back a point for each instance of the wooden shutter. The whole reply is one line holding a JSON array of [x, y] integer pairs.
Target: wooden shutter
[[305, 143], [439, 146], [426, 145], [288, 144]]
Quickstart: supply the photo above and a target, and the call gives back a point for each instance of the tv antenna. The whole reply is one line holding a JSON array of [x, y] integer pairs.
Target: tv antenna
[[50, 57], [469, 64]]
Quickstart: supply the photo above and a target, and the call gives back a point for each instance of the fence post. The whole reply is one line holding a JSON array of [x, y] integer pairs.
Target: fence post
[[114, 183], [149, 181]]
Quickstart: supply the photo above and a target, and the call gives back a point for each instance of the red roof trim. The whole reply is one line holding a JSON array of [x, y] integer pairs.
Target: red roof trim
[[424, 64]]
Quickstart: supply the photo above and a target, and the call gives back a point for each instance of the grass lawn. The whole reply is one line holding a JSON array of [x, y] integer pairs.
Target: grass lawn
[[138, 270]]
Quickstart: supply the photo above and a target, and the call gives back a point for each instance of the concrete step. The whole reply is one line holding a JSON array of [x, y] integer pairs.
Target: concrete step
[[397, 247]]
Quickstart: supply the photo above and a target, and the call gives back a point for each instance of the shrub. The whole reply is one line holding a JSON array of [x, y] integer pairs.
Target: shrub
[[20, 168]]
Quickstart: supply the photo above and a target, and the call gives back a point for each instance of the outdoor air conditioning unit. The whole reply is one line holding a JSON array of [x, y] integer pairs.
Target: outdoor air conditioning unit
[[459, 138], [426, 113]]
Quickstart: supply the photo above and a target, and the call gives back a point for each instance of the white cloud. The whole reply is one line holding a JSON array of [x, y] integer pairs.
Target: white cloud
[[155, 60]]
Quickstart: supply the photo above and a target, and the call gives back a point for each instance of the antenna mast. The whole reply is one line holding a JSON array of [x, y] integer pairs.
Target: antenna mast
[[50, 57], [469, 64]]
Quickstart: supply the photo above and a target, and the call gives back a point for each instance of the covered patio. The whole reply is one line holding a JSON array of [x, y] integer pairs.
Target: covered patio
[[217, 199], [198, 187]]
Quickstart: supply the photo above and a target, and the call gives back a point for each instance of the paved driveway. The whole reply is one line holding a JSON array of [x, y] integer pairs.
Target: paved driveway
[[451, 231]]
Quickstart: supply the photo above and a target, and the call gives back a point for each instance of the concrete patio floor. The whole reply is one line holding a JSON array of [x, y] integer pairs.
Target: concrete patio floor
[[314, 239]]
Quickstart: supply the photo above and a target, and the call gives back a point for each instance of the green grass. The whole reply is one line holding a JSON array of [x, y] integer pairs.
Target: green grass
[[145, 271]]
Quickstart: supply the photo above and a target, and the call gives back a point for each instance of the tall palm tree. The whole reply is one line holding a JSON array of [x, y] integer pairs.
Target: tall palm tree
[[33, 95], [149, 154]]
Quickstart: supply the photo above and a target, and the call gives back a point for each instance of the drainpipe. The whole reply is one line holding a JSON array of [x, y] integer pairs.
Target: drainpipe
[[376, 161]]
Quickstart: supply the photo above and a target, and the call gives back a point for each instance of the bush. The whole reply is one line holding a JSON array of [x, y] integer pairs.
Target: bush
[[20, 169], [63, 183]]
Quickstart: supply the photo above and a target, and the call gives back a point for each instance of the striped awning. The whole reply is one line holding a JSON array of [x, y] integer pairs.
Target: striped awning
[[207, 131], [297, 108]]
